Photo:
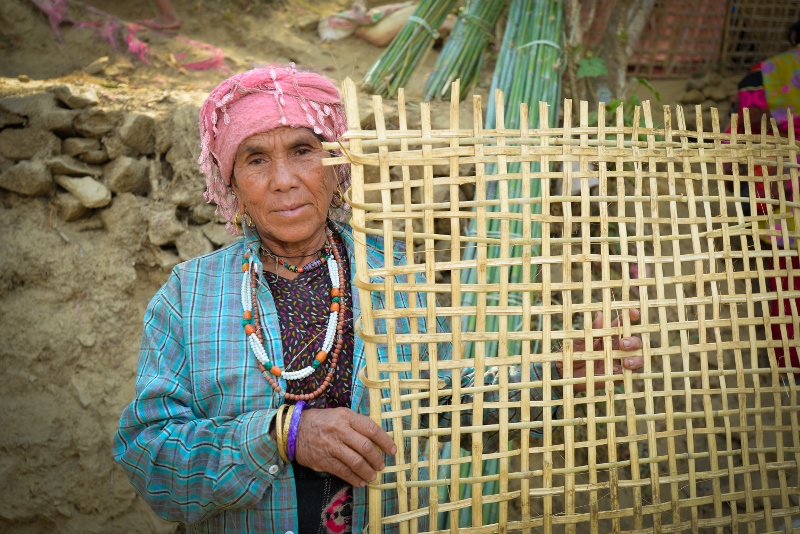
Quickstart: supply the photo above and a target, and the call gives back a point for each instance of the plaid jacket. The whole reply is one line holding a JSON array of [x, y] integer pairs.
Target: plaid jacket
[[194, 441]]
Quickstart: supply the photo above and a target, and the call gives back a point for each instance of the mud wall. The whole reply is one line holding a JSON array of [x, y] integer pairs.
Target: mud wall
[[99, 199]]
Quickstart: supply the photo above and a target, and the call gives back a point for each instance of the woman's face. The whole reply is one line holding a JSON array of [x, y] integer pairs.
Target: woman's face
[[278, 177]]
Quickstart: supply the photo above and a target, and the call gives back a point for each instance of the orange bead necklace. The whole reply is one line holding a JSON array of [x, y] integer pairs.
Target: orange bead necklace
[[331, 345]]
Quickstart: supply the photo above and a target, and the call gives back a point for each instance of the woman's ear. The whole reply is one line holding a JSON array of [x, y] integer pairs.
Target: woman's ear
[[235, 189]]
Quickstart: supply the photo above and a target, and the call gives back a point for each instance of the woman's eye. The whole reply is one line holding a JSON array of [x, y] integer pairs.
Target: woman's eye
[[257, 161]]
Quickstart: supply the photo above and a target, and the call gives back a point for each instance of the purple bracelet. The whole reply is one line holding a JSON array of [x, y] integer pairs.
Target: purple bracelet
[[291, 443]]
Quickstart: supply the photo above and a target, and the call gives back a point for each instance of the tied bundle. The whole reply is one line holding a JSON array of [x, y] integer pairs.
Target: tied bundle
[[395, 66], [462, 55]]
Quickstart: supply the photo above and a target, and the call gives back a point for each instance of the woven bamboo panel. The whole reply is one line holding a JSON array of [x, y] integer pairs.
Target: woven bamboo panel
[[757, 30], [705, 438]]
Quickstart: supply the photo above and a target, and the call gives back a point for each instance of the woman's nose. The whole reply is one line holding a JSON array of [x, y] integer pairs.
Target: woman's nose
[[284, 175]]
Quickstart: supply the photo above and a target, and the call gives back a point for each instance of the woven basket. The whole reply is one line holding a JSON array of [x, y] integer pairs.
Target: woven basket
[[705, 438]]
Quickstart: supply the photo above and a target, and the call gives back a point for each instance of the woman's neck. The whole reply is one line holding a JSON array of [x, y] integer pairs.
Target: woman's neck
[[298, 254]]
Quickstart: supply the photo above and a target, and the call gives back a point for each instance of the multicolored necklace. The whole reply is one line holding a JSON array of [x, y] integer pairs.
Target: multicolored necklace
[[316, 264], [331, 345]]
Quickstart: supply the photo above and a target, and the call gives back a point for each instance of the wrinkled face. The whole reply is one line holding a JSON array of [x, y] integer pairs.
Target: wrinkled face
[[279, 179]]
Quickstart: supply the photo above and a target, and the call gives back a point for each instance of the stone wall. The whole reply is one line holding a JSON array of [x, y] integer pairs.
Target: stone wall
[[99, 198]]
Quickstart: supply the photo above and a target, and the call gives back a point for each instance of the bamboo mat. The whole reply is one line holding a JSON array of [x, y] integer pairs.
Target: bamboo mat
[[705, 438]]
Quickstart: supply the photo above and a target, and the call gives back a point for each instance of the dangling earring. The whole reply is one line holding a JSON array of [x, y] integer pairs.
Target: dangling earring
[[242, 218], [338, 197]]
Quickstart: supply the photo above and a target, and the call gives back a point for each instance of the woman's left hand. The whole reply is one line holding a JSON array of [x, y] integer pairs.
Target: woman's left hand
[[631, 344]]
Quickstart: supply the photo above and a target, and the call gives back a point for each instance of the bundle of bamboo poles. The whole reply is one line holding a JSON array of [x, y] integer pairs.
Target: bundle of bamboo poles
[[394, 67], [527, 70], [461, 57]]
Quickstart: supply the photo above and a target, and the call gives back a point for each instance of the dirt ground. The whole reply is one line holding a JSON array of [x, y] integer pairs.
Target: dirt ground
[[73, 293]]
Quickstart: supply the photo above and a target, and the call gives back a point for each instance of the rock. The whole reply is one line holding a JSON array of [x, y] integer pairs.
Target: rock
[[127, 175], [55, 119], [730, 87], [69, 207], [87, 190], [125, 220], [307, 23], [95, 157], [87, 339], [75, 97], [712, 78], [24, 78], [185, 196], [137, 131], [716, 93], [185, 150], [163, 225], [28, 105], [6, 164], [115, 148], [7, 118], [75, 146], [167, 259], [97, 66], [29, 178], [28, 143], [695, 83], [692, 96], [82, 390], [192, 243], [71, 167], [42, 112], [217, 234], [94, 122], [202, 213], [162, 132]]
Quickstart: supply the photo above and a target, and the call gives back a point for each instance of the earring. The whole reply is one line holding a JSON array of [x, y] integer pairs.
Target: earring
[[237, 219], [246, 219], [338, 197]]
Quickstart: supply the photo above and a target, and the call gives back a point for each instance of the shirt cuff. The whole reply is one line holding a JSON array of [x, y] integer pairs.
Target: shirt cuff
[[259, 450]]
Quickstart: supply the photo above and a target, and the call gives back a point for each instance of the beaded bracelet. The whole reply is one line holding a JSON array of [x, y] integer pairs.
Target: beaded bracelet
[[287, 419], [279, 435], [293, 428]]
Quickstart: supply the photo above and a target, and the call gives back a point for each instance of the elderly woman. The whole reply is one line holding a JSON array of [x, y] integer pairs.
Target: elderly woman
[[249, 416]]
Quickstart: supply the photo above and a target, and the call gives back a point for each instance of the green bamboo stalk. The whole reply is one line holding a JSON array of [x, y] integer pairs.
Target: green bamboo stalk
[[462, 55], [526, 71], [394, 67]]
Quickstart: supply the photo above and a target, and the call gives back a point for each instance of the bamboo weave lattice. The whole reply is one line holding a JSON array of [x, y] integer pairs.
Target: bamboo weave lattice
[[705, 438]]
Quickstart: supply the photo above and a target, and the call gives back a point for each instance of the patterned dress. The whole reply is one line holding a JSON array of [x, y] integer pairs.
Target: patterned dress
[[325, 502]]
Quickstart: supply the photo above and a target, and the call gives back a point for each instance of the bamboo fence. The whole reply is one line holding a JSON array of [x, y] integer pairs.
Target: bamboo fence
[[704, 438]]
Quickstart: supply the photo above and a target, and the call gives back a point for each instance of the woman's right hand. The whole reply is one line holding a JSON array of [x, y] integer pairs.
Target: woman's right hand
[[342, 442]]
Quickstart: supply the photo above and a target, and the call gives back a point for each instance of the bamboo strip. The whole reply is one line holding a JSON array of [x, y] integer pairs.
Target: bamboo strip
[[705, 437]]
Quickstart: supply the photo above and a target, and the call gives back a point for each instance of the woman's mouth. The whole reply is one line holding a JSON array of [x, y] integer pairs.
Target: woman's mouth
[[291, 211]]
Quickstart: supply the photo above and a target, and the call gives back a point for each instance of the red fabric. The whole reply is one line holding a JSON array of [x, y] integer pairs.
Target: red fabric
[[785, 305]]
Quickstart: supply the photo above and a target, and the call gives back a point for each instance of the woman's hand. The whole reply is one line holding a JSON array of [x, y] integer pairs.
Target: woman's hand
[[342, 442], [632, 363]]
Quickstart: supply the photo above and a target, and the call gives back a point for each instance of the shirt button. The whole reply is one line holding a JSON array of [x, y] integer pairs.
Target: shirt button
[[273, 469], [289, 532]]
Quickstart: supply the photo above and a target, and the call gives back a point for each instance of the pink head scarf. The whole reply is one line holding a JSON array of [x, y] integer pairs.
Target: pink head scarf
[[257, 101]]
